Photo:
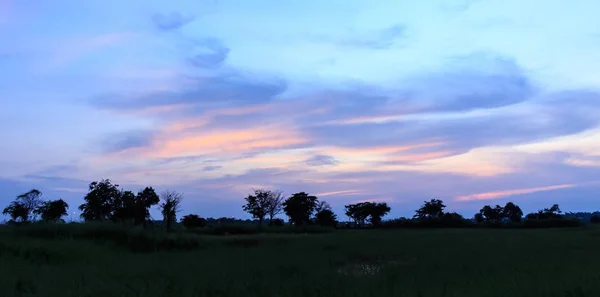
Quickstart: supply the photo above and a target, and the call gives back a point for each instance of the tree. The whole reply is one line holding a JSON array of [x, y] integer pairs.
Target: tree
[[376, 211], [170, 207], [553, 212], [433, 209], [193, 221], [326, 217], [52, 211], [17, 211], [258, 205], [99, 200], [299, 207], [357, 212], [371, 211], [123, 207], [512, 212], [143, 201], [491, 214], [274, 204]]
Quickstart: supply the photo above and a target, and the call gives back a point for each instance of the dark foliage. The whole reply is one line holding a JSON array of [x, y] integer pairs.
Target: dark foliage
[[170, 206], [326, 218], [99, 201], [52, 211], [433, 209], [300, 207], [193, 221]]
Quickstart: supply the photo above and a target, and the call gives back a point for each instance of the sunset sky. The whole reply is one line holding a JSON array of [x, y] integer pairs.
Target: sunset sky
[[470, 101]]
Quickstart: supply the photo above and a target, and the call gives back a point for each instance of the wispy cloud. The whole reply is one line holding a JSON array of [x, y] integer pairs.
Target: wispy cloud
[[505, 193]]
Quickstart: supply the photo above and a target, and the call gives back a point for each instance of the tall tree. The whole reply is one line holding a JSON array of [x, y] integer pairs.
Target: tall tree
[[358, 213], [299, 207], [261, 204], [491, 214], [372, 211], [274, 204], [376, 212], [17, 212], [99, 200], [123, 207], [512, 212], [170, 206], [144, 200], [433, 209], [52, 211], [324, 216]]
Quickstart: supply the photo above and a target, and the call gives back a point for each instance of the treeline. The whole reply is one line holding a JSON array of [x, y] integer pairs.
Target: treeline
[[105, 201]]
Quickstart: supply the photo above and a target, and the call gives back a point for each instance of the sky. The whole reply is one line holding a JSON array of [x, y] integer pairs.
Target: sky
[[473, 102]]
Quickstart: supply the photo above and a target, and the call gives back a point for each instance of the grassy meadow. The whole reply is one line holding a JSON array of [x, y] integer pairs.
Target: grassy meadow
[[76, 260]]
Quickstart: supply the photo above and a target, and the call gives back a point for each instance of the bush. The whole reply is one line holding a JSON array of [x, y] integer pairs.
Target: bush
[[277, 222], [193, 221], [595, 219]]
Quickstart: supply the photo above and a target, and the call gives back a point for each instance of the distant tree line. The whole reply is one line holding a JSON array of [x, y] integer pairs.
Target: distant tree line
[[106, 201]]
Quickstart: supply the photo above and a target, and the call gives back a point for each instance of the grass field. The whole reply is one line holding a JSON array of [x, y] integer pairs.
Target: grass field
[[440, 262]]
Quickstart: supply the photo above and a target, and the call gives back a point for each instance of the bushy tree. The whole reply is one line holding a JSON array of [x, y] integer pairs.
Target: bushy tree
[[99, 201], [170, 206], [144, 200], [193, 221], [24, 205], [371, 211], [358, 212], [376, 212], [326, 218], [491, 214], [259, 204], [123, 207], [512, 212], [17, 212], [553, 212], [433, 209], [52, 211], [300, 207]]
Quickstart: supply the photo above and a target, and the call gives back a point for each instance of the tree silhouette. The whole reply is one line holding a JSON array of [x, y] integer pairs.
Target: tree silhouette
[[99, 201], [52, 211], [123, 207], [299, 207], [193, 221], [376, 212], [274, 204], [17, 212], [491, 214], [324, 216], [433, 209], [170, 207], [371, 211], [512, 212], [553, 212], [259, 204], [358, 213], [143, 201]]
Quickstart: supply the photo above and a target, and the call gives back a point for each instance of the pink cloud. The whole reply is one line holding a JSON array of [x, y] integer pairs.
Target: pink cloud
[[505, 193]]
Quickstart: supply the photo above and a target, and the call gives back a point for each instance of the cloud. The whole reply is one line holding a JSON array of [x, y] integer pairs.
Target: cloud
[[201, 94], [171, 21], [504, 193], [378, 39], [211, 168], [210, 53], [127, 140], [321, 160]]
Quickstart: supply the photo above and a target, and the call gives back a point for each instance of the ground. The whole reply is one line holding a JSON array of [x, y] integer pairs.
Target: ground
[[424, 263]]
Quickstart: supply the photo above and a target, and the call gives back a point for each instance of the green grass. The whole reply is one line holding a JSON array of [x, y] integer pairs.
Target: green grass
[[104, 260]]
